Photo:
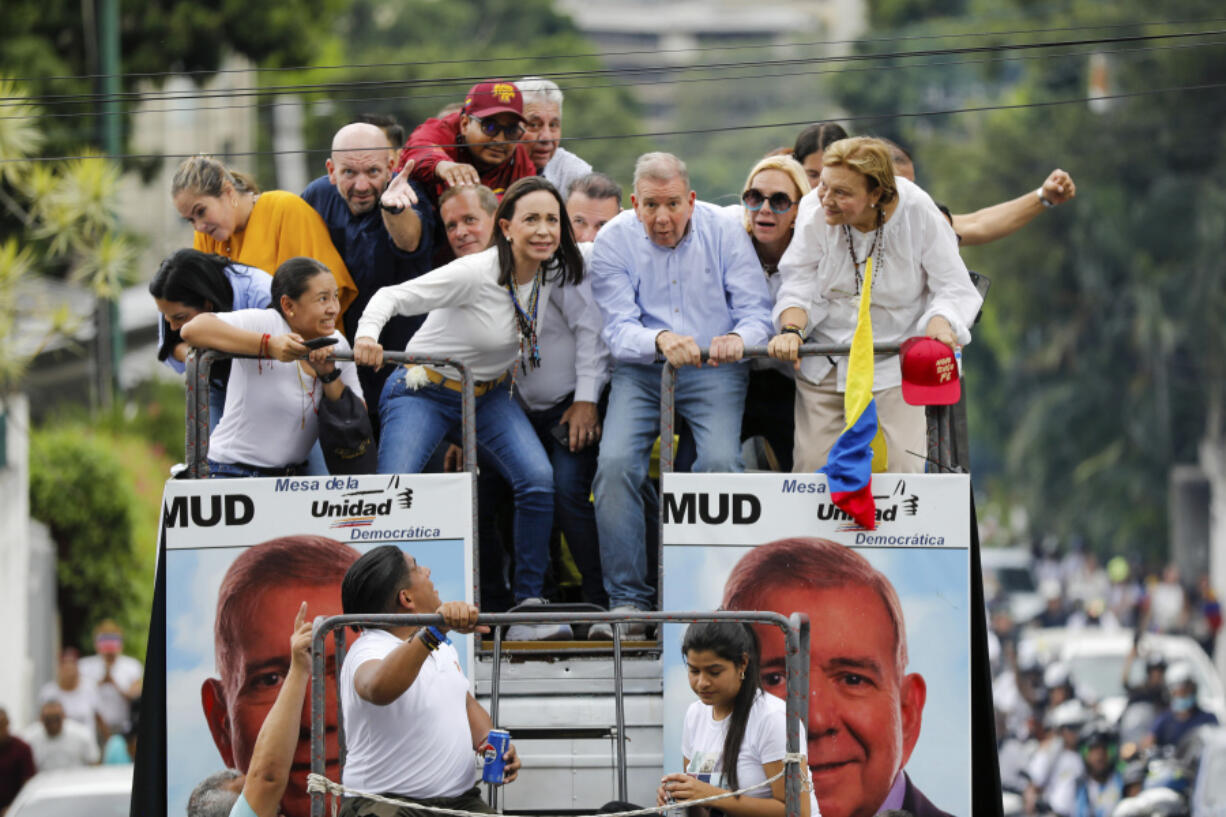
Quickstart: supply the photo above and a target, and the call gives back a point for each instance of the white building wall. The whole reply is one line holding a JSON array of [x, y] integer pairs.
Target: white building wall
[[17, 679]]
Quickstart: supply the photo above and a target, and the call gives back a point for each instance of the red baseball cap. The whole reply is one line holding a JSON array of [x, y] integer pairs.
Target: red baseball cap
[[929, 373], [494, 97]]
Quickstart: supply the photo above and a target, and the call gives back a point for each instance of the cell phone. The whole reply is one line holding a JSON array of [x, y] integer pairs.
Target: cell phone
[[561, 433], [319, 343]]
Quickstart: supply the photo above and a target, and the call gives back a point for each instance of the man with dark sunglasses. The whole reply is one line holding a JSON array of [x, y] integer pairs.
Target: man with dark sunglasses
[[482, 143]]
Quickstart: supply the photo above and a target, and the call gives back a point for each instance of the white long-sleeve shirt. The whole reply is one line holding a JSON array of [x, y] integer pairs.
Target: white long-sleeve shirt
[[471, 317], [917, 274], [574, 358]]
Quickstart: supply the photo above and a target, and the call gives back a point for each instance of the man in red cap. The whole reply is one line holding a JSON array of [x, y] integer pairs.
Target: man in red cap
[[479, 144]]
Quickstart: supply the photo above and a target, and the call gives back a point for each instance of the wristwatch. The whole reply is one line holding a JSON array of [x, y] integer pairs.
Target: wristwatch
[[330, 376], [1046, 202]]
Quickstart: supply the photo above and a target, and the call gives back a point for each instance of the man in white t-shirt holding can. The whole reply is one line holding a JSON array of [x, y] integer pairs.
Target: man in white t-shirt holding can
[[412, 727]]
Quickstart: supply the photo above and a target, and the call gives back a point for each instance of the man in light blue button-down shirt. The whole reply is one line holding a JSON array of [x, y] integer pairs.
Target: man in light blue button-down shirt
[[671, 277]]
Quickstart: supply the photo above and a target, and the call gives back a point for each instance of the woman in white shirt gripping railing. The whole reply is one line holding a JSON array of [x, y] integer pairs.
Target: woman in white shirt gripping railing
[[919, 286], [272, 400], [484, 311]]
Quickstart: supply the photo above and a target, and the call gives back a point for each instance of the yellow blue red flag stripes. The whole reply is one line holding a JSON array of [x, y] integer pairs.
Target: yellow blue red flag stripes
[[849, 469]]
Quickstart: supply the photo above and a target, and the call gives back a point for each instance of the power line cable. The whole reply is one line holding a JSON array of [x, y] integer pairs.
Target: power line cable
[[686, 132], [581, 88], [65, 99], [636, 52]]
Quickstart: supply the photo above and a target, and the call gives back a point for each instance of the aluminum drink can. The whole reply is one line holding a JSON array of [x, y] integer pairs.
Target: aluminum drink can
[[496, 745]]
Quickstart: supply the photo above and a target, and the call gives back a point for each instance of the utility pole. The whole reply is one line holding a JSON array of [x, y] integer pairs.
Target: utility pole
[[109, 342]]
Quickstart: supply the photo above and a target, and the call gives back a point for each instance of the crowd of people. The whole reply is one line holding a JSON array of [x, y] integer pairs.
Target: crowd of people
[[87, 715], [1070, 745], [480, 239]]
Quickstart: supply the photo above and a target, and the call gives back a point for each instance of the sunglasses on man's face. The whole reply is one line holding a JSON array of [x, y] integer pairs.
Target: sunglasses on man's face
[[779, 202], [491, 127]]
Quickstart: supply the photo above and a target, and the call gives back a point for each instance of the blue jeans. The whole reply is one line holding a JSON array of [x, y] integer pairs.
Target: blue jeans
[[414, 422], [235, 470], [573, 472], [711, 400]]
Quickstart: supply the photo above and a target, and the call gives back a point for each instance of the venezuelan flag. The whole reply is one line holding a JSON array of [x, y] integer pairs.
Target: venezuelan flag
[[860, 449]]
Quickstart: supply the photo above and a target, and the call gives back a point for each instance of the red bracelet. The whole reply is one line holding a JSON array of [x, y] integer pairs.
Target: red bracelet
[[262, 353]]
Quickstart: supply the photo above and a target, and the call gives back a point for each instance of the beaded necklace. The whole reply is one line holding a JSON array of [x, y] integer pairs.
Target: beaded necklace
[[525, 318], [851, 249]]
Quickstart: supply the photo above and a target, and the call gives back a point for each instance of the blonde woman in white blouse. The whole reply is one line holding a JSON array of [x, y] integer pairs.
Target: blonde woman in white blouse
[[919, 286]]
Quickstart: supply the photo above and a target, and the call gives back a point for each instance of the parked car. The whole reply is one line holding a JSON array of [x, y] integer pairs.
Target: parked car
[[1095, 659], [99, 791], [1008, 575]]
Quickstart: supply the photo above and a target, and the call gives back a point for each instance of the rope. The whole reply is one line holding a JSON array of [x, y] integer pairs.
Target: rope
[[319, 784]]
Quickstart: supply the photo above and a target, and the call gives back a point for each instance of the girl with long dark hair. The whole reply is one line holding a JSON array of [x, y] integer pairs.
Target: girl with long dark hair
[[735, 735], [484, 311], [272, 404], [189, 282]]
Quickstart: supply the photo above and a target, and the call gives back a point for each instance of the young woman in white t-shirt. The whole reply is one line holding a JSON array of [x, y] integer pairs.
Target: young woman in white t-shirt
[[272, 400], [732, 718]]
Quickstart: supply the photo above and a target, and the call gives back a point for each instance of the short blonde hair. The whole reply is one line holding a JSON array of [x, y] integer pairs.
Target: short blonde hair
[[784, 164], [869, 157]]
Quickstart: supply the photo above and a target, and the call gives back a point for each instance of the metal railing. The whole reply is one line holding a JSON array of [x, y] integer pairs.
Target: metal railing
[[200, 362], [796, 665], [196, 445], [947, 435], [947, 448], [947, 432]]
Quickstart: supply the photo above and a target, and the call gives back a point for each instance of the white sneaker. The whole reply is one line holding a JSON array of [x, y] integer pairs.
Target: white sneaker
[[537, 632], [603, 631], [600, 631]]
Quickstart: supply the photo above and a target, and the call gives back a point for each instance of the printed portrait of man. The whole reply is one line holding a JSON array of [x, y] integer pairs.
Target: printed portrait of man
[[865, 709], [256, 605]]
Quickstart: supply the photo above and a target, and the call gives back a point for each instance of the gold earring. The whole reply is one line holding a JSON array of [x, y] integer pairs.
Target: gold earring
[[742, 675]]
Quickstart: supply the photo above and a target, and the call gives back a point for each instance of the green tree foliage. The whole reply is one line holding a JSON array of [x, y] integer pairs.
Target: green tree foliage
[[133, 446], [439, 50], [1098, 364], [58, 220], [52, 45], [79, 490]]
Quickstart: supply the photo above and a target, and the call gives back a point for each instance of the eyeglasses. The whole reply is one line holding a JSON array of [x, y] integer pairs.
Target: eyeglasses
[[491, 128], [754, 199]]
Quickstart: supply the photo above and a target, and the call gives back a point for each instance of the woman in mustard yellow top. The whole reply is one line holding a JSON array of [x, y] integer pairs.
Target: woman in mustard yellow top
[[260, 229]]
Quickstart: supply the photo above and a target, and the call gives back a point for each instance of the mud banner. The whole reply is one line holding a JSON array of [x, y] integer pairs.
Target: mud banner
[[889, 721], [240, 556]]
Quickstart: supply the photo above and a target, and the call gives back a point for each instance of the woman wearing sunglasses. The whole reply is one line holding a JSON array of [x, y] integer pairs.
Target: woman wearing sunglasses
[[769, 203], [919, 285]]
